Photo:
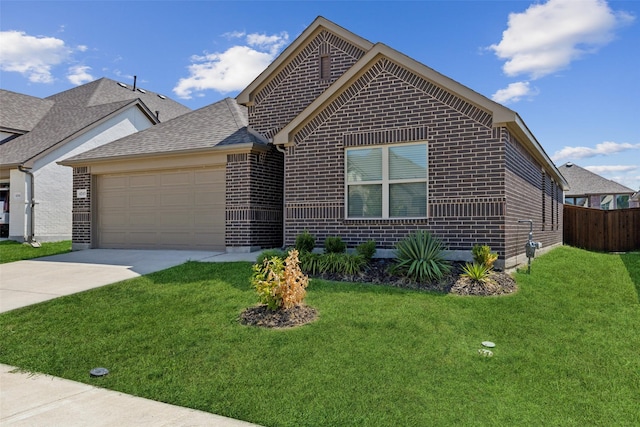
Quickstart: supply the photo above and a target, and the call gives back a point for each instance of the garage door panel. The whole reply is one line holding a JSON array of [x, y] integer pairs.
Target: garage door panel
[[182, 209], [176, 179], [142, 181], [142, 200]]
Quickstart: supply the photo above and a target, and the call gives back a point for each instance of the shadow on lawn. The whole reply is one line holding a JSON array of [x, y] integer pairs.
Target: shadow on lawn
[[631, 261]]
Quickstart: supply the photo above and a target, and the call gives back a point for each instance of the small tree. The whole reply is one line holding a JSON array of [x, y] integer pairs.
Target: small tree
[[280, 284]]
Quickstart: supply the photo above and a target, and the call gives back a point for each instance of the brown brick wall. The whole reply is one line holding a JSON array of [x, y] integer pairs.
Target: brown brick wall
[[528, 190], [254, 199], [81, 208], [298, 84], [388, 104]]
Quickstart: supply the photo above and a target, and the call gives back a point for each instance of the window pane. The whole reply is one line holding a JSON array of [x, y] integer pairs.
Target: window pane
[[364, 165], [569, 201], [365, 201], [582, 201], [622, 202], [605, 202], [407, 162], [408, 200]]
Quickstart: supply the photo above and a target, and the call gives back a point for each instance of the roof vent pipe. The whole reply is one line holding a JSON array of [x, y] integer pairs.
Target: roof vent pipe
[[158, 115], [134, 82]]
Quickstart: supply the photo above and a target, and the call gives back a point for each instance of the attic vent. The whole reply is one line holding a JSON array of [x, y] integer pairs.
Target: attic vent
[[162, 96], [122, 85], [142, 90], [325, 67]]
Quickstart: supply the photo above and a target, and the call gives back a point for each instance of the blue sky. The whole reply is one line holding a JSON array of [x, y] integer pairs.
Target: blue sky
[[570, 68]]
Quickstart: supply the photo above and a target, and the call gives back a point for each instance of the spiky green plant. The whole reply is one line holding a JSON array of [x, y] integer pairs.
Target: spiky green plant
[[476, 272], [482, 255], [305, 242], [420, 256]]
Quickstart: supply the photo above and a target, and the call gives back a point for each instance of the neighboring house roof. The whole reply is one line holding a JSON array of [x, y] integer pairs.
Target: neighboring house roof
[[219, 125], [583, 182], [74, 111], [20, 113], [57, 127], [105, 91], [501, 115]]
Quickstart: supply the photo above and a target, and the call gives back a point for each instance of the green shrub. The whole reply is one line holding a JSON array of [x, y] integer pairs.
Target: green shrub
[[476, 272], [420, 257], [305, 242], [367, 249], [352, 264], [270, 253], [280, 284], [334, 245], [310, 263], [482, 255]]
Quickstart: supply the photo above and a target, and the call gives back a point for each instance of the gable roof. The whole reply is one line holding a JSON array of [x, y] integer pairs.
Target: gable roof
[[61, 124], [319, 24], [20, 113], [223, 124], [583, 182], [106, 91], [76, 110], [501, 115]]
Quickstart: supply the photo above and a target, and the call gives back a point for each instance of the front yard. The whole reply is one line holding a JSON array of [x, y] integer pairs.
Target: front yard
[[566, 347]]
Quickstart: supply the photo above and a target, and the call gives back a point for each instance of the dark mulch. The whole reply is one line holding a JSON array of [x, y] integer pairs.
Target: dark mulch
[[378, 272], [261, 316]]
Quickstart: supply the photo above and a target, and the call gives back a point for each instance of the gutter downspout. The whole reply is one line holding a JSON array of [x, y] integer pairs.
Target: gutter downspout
[[31, 204]]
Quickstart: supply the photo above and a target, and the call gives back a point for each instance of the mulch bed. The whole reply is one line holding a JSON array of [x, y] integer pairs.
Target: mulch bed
[[260, 315], [378, 272]]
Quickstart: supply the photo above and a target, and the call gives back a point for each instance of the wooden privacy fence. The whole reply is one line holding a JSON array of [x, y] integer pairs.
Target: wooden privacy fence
[[600, 230]]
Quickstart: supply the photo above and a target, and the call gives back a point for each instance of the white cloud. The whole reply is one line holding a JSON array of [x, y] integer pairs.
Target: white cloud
[[611, 168], [232, 69], [514, 92], [547, 37], [79, 74], [603, 149], [33, 57]]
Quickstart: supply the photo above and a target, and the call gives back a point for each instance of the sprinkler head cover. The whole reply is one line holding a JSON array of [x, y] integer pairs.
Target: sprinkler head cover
[[488, 344], [99, 372]]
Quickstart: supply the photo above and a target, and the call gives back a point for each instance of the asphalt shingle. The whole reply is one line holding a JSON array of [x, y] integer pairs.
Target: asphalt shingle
[[21, 112], [583, 182], [222, 123]]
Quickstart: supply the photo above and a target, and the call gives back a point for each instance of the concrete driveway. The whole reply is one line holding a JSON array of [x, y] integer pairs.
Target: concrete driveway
[[23, 283]]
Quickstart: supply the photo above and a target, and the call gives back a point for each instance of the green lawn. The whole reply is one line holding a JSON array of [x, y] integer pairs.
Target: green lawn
[[567, 347], [13, 251]]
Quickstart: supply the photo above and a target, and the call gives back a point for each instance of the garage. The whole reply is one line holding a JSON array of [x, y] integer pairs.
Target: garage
[[169, 209]]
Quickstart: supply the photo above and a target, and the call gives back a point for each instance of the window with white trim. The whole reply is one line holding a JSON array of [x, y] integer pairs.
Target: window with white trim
[[386, 181]]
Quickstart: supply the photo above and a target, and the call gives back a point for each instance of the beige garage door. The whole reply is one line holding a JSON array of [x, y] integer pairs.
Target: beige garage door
[[177, 209]]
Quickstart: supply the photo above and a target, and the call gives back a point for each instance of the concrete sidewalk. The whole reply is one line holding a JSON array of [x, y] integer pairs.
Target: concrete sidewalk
[[41, 400]]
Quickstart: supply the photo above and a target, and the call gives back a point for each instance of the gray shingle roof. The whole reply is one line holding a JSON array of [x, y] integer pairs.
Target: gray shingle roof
[[105, 91], [220, 124], [72, 111], [59, 124], [583, 182], [21, 112]]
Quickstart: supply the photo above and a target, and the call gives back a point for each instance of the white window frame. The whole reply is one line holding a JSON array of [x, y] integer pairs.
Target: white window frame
[[385, 181]]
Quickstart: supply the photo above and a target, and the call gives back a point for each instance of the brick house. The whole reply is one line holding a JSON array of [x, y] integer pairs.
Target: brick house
[[351, 117], [352, 139]]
